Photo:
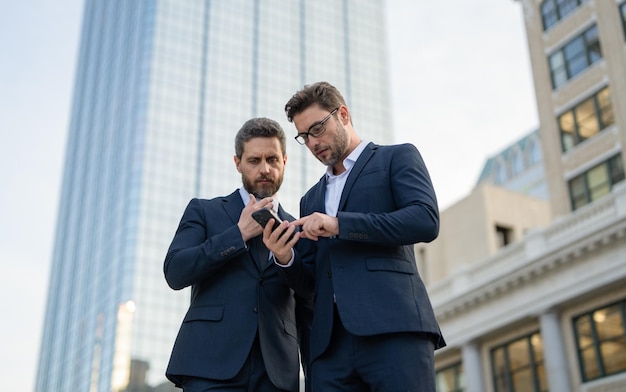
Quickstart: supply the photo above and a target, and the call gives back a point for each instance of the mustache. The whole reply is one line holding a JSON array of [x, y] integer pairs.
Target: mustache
[[264, 178]]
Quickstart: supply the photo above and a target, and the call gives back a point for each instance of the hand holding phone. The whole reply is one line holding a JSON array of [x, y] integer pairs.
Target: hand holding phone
[[263, 215]]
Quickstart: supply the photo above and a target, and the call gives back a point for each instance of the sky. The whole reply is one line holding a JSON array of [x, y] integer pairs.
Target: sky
[[461, 91]]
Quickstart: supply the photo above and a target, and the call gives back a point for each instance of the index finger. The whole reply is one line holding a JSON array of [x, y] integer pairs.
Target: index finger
[[264, 202], [298, 222]]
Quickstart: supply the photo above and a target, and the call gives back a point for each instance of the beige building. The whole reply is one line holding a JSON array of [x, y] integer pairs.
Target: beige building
[[531, 293]]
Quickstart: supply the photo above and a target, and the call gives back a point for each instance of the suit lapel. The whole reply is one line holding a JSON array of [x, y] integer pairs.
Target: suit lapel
[[259, 252], [320, 195], [233, 205], [284, 215], [360, 163]]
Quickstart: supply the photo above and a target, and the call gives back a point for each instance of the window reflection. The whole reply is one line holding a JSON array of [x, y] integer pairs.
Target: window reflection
[[450, 379], [596, 182], [576, 56], [554, 10], [518, 365], [601, 341], [586, 119]]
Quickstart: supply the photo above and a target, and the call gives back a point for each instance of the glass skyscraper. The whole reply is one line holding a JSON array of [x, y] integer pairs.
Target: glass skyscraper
[[161, 88]]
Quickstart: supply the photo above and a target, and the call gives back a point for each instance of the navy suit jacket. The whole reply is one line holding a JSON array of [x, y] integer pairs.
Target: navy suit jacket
[[233, 296], [369, 269]]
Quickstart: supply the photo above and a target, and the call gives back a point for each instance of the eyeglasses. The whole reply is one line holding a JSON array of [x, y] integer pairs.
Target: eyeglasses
[[315, 130]]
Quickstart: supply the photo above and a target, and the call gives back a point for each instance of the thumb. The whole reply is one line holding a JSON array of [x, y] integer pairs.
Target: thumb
[[252, 200]]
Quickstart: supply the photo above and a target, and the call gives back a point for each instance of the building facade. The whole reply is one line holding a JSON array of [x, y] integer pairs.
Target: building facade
[[578, 60], [519, 168], [161, 89], [546, 310]]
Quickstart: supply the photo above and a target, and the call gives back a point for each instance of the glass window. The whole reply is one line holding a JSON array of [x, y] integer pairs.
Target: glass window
[[592, 43], [548, 14], [566, 6], [501, 175], [605, 108], [616, 169], [517, 162], [557, 68], [450, 379], [534, 152], [601, 341], [576, 56], [518, 365], [554, 10], [622, 9], [568, 131], [578, 192], [596, 182], [586, 119]]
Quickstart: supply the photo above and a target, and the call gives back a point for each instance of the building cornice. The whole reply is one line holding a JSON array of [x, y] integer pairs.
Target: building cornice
[[568, 241]]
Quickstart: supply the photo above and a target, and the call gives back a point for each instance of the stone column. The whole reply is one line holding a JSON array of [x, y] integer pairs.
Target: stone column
[[554, 352], [472, 368]]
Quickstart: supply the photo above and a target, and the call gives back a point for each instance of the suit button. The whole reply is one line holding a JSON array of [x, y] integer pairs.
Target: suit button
[[261, 281], [329, 274], [255, 310]]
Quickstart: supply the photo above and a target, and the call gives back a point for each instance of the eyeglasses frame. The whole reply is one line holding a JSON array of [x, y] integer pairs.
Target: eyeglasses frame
[[304, 136]]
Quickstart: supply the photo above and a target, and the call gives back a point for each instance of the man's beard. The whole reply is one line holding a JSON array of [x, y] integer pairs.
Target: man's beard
[[338, 147], [262, 190]]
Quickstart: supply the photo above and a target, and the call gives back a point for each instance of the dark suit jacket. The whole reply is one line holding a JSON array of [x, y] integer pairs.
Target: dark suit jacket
[[387, 205], [231, 298]]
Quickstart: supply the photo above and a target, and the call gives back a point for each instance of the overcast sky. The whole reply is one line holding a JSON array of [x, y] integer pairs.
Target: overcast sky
[[461, 92]]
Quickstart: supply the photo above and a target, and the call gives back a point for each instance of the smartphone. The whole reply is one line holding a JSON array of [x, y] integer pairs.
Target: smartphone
[[264, 215]]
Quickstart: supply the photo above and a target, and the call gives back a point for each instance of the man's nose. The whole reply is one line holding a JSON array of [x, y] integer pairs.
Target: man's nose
[[312, 142]]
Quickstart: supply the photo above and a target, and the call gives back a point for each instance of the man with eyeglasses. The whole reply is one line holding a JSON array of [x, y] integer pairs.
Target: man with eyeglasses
[[373, 326]]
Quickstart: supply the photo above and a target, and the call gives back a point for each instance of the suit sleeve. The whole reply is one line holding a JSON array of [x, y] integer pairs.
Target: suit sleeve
[[412, 215], [193, 254]]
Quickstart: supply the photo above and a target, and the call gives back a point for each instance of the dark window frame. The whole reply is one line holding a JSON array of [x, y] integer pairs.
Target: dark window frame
[[552, 11], [534, 364], [622, 9], [569, 140], [597, 341], [615, 174], [567, 62], [458, 375], [504, 235]]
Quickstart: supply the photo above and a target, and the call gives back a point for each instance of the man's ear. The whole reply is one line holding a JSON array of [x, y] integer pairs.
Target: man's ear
[[237, 162], [344, 115]]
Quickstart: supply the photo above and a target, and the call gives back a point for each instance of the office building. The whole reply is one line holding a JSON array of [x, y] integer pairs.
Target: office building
[[161, 89], [519, 168], [537, 301]]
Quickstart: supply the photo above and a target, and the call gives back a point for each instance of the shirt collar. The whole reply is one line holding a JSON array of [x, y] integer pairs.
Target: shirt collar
[[350, 160]]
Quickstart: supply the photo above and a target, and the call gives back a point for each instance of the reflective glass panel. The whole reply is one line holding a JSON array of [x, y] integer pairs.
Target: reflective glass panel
[[603, 98], [586, 118], [575, 57], [566, 123]]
